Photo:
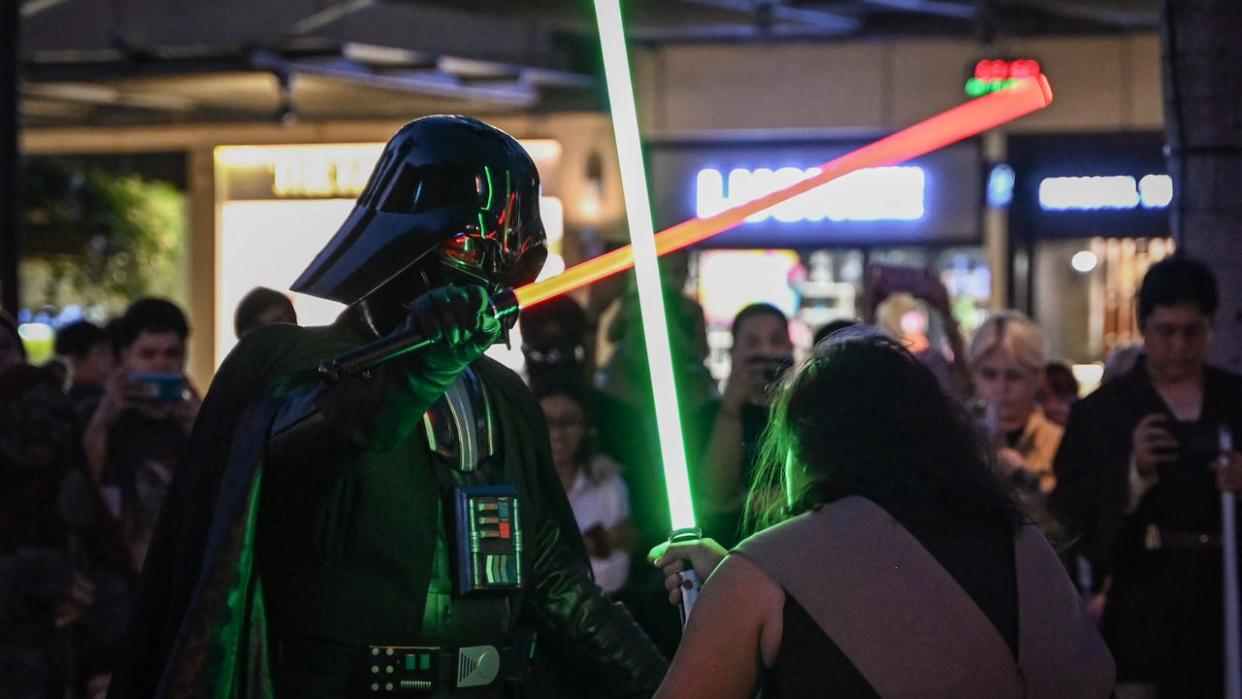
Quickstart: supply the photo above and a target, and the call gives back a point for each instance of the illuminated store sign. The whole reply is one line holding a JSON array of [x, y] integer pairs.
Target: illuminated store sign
[[936, 198], [872, 194], [1117, 192], [319, 171], [992, 74]]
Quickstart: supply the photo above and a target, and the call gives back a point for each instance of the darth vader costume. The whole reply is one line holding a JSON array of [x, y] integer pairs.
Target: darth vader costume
[[399, 532]]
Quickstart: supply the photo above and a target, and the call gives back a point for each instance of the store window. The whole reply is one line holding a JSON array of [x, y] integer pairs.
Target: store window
[[1084, 292]]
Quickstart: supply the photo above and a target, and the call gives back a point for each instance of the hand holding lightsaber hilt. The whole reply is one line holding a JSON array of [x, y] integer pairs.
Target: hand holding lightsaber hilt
[[690, 581], [503, 307]]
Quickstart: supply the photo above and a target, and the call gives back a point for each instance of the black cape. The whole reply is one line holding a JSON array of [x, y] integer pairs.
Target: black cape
[[199, 627]]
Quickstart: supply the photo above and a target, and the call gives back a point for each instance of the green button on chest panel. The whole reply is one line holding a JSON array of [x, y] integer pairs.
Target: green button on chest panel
[[489, 541]]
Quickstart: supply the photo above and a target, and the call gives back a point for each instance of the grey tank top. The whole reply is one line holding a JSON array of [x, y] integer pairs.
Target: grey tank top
[[908, 626]]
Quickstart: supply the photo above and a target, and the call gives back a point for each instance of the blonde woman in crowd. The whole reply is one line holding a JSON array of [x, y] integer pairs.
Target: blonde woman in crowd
[[1008, 355]]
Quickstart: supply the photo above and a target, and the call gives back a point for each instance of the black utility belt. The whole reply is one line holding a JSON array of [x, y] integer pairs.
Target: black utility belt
[[416, 669], [1157, 538]]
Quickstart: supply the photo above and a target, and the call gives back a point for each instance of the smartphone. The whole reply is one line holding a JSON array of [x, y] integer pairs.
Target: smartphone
[[1198, 442], [159, 388], [886, 279], [772, 367]]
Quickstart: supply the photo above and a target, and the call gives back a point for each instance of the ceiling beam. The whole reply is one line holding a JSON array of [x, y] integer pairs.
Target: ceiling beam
[[328, 15], [929, 7], [1147, 17], [516, 94], [30, 8], [825, 21]]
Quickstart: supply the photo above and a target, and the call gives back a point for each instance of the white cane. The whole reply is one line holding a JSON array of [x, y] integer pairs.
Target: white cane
[[1229, 549]]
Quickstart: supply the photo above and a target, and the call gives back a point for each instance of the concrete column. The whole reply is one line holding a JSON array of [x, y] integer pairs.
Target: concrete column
[[10, 156], [203, 265], [1202, 52]]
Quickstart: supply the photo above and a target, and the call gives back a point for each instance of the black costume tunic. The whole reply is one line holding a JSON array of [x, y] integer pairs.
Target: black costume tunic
[[342, 534]]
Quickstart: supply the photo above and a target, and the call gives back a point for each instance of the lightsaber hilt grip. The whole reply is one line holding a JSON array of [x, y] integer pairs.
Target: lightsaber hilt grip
[[690, 582], [1229, 553], [503, 306]]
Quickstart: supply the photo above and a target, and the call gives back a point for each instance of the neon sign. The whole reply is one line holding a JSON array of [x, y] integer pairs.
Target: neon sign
[[992, 74], [870, 194], [1116, 192]]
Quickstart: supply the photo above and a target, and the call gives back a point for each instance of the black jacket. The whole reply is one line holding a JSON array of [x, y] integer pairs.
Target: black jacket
[[1093, 467], [200, 628]]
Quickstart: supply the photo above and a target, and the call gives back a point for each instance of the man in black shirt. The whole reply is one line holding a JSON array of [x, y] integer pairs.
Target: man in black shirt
[[1139, 474]]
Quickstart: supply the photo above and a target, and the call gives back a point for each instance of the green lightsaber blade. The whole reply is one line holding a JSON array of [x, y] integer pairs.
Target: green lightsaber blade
[[646, 267]]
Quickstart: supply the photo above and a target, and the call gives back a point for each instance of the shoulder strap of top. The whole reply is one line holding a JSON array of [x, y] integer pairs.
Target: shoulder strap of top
[[1061, 655], [897, 614]]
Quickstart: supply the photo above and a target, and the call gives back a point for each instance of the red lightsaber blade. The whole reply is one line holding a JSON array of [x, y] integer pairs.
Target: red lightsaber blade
[[957, 124]]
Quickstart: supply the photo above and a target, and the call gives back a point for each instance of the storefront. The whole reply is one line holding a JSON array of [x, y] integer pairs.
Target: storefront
[[809, 256], [1089, 213]]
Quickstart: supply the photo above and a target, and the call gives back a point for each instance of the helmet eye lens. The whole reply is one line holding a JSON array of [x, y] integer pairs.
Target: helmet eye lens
[[464, 250]]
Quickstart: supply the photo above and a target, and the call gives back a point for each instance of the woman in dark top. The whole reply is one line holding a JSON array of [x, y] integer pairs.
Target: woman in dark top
[[890, 561]]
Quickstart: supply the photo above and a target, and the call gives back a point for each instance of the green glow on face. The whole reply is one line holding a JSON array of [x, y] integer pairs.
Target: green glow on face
[[646, 268]]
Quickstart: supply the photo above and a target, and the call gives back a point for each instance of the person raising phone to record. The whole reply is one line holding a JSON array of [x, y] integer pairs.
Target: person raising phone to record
[[134, 437], [761, 350], [1139, 475]]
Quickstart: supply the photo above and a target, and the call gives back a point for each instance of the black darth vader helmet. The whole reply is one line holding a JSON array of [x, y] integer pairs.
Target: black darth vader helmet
[[450, 195]]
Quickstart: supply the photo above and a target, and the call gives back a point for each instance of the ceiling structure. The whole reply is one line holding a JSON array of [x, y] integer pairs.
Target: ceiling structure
[[113, 62]]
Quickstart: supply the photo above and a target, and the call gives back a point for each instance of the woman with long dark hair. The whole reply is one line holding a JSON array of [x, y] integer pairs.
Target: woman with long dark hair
[[889, 559]]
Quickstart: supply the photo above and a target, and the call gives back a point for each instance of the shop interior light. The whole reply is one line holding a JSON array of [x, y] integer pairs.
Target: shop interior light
[[1084, 261], [1000, 186], [1155, 191], [870, 194], [1118, 192], [962, 122], [35, 332], [646, 266]]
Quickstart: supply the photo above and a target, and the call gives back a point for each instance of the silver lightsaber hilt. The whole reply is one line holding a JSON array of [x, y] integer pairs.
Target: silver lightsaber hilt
[[690, 582], [1229, 552]]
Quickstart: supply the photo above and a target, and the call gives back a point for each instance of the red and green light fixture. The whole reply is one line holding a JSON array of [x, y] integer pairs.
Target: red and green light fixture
[[995, 74]]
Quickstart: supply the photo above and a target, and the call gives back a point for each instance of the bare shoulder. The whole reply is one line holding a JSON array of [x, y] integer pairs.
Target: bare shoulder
[[765, 599], [737, 573]]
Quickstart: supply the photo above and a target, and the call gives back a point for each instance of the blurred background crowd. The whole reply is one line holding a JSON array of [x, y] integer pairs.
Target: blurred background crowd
[[167, 167], [1118, 474]]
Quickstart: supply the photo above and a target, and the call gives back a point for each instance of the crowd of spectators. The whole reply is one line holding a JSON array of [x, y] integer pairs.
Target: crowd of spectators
[[89, 443], [1124, 481]]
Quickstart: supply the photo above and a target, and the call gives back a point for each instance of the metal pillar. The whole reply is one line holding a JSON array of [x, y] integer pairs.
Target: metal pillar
[[10, 157], [1203, 127]]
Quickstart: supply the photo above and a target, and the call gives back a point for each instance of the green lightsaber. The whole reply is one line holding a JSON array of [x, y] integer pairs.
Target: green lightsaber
[[646, 267]]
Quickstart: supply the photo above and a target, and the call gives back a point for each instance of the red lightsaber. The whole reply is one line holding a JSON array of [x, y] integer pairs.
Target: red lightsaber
[[957, 124], [961, 122]]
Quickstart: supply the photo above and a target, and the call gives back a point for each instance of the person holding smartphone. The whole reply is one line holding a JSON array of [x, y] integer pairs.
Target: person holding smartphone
[[1139, 474], [143, 420], [734, 423], [1008, 354]]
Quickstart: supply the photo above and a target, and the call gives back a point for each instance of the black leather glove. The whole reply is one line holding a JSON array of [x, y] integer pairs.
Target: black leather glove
[[380, 408], [460, 320]]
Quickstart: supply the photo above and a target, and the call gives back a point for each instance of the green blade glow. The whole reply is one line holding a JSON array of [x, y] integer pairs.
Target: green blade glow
[[646, 267]]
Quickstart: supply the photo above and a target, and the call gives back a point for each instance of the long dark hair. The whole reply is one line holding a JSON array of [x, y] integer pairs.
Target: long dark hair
[[862, 416]]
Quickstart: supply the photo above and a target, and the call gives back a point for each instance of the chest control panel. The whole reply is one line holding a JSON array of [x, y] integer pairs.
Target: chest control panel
[[489, 541]]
